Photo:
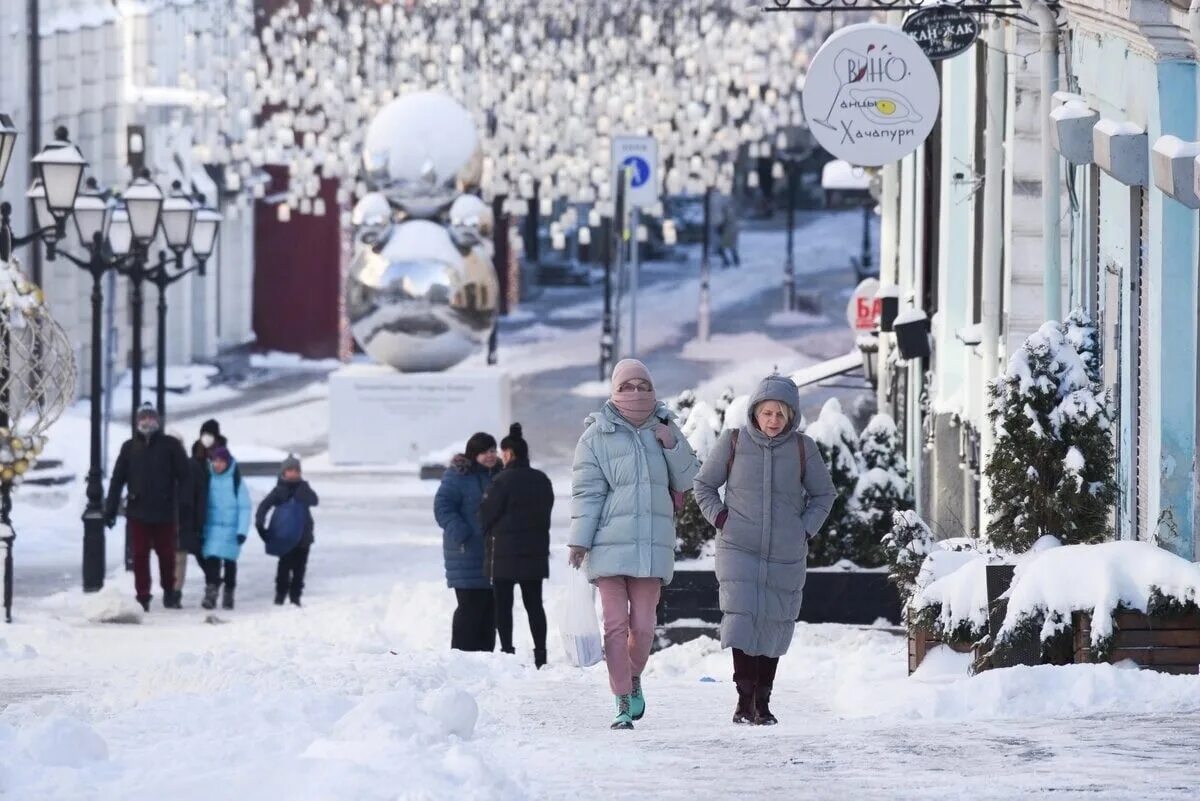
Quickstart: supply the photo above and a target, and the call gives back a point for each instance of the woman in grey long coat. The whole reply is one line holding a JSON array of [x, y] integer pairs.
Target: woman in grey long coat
[[777, 495]]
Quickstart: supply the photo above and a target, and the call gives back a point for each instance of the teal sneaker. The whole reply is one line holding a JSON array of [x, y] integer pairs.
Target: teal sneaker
[[623, 719], [637, 701]]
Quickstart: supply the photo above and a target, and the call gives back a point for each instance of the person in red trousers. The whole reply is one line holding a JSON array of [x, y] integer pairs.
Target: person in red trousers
[[154, 469]]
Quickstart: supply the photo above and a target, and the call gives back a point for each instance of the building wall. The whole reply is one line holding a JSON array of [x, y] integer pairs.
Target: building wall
[[95, 56], [1138, 66]]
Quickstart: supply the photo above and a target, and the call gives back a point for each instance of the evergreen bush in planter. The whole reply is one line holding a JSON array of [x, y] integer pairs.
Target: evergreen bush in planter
[[881, 490], [1052, 468], [692, 531], [835, 438]]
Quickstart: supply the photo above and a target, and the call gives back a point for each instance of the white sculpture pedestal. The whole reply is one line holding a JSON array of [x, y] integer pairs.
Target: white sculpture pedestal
[[379, 416]]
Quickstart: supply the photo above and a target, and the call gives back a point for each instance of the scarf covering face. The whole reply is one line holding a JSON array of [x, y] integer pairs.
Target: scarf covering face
[[636, 407]]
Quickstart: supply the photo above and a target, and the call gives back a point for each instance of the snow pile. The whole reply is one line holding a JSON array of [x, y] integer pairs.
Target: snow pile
[[60, 741], [14, 653], [1103, 578], [701, 429], [958, 598], [110, 605]]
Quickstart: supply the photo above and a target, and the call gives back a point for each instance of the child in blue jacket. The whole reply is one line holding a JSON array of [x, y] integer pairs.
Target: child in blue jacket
[[225, 526]]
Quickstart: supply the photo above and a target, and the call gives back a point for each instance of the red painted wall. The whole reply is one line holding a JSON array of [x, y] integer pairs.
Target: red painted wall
[[297, 276]]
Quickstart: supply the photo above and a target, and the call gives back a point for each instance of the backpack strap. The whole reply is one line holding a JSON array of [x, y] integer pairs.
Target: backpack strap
[[803, 459], [732, 452]]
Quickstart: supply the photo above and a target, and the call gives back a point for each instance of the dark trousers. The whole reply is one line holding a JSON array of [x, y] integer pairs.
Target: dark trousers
[[289, 576], [474, 627], [755, 670], [729, 256], [531, 595], [159, 537], [212, 571]]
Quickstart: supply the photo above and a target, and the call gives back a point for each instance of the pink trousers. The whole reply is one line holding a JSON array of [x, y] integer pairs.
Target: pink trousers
[[629, 618]]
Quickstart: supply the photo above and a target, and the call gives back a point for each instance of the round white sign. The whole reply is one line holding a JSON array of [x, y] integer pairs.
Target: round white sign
[[871, 95], [862, 312]]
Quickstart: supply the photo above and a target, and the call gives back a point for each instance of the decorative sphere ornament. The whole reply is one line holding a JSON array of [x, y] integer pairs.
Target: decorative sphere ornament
[[421, 150], [418, 302]]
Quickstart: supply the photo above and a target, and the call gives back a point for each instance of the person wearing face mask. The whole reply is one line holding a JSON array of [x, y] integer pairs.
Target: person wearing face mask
[[777, 495], [628, 461], [210, 436], [456, 508], [154, 469]]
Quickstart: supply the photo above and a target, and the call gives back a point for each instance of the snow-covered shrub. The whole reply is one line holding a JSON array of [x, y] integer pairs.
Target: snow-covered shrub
[[692, 531], [682, 406], [724, 403], [835, 438], [701, 429], [1104, 579], [950, 597], [882, 489], [907, 545], [1052, 468]]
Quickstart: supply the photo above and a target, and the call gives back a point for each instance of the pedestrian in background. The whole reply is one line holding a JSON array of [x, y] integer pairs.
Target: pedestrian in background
[[225, 525], [515, 515], [290, 530], [456, 508], [629, 459], [210, 437], [777, 495], [154, 469], [192, 511], [729, 235]]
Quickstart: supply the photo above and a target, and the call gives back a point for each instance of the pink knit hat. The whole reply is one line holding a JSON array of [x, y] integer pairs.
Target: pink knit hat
[[629, 370], [636, 407]]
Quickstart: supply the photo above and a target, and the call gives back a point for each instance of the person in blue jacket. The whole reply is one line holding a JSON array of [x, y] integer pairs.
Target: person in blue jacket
[[456, 508], [225, 526]]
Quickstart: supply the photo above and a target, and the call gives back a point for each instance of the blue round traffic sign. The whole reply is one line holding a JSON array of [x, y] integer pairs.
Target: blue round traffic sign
[[641, 170]]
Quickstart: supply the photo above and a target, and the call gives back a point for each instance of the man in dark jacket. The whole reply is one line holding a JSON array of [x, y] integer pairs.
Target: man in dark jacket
[[154, 468], [456, 508], [515, 515], [289, 576]]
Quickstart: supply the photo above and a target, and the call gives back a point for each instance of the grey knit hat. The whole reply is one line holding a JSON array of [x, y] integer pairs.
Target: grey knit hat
[[290, 463]]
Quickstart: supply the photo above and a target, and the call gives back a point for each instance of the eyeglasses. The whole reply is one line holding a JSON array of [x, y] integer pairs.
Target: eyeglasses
[[635, 386]]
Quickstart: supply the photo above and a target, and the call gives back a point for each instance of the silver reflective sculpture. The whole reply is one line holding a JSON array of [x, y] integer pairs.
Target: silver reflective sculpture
[[422, 294], [418, 302]]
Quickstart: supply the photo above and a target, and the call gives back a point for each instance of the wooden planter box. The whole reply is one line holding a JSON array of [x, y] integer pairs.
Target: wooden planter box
[[1165, 644], [830, 596], [921, 640]]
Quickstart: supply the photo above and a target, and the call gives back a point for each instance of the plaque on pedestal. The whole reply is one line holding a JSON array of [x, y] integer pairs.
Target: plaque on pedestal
[[379, 416]]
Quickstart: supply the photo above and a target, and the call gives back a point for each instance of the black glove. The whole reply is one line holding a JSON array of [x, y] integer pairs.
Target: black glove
[[241, 539], [110, 521], [262, 530]]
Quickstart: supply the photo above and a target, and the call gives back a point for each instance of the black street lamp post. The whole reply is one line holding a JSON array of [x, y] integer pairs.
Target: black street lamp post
[[144, 206], [789, 268]]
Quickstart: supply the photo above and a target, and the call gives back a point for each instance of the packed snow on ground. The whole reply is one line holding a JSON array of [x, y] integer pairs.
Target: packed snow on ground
[[275, 360], [1103, 577]]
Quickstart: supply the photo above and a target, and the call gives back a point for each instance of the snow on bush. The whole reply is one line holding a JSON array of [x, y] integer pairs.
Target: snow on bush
[[954, 602], [1052, 468], [906, 546], [881, 490], [701, 429], [835, 438], [1104, 578]]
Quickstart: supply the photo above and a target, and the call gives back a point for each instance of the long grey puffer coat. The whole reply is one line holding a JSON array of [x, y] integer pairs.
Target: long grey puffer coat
[[621, 508], [772, 514]]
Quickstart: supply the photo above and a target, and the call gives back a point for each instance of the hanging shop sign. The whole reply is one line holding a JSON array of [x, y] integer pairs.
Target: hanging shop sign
[[862, 312], [942, 31], [871, 96]]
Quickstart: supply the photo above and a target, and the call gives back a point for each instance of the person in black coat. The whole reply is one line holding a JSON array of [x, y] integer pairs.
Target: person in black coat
[[289, 576], [192, 511], [210, 437], [515, 516], [155, 469]]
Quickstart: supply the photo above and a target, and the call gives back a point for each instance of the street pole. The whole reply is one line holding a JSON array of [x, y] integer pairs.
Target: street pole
[[704, 317], [7, 535], [93, 513], [619, 267], [633, 286], [160, 362], [789, 265], [135, 276], [866, 259], [606, 332]]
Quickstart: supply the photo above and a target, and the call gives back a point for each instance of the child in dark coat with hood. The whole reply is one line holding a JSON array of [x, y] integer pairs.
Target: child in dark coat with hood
[[289, 576]]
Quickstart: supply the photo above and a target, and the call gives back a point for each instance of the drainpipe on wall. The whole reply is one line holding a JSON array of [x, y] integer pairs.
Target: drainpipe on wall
[[995, 99], [1047, 23], [1194, 22]]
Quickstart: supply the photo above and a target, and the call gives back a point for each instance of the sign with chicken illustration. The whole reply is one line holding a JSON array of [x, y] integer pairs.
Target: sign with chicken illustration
[[871, 96]]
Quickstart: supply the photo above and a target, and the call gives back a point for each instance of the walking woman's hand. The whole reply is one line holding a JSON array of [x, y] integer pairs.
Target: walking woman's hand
[[575, 557], [662, 433]]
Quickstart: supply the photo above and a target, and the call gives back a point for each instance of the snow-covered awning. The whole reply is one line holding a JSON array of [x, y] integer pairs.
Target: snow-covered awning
[[828, 369]]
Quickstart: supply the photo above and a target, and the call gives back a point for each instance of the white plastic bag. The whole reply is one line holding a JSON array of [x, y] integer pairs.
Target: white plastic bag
[[577, 621]]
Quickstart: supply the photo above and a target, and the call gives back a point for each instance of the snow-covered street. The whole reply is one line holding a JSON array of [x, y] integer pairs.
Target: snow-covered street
[[357, 696]]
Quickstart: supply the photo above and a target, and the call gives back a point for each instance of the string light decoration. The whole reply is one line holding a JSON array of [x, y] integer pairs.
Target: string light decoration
[[548, 86]]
